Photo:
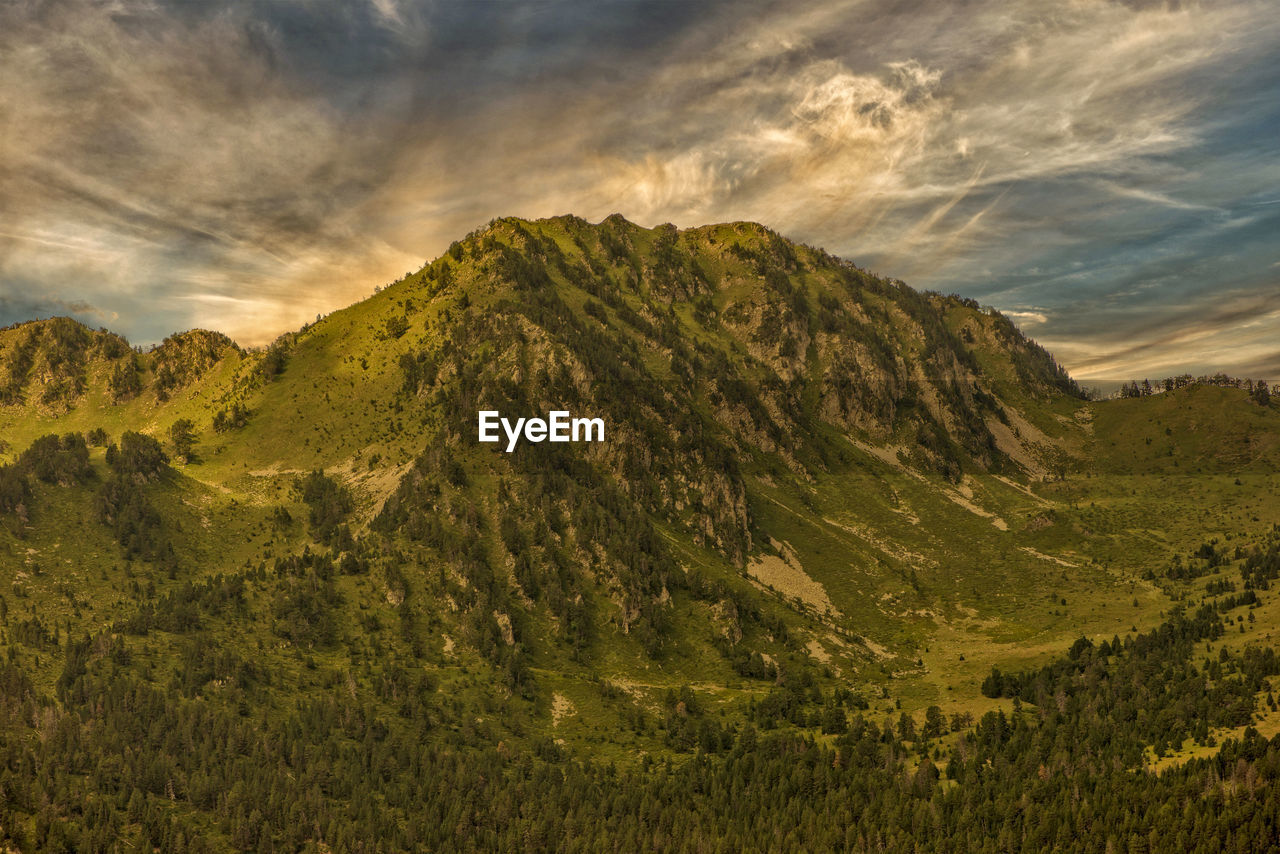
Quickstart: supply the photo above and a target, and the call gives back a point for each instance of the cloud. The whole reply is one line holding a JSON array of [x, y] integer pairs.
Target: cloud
[[1154, 197], [389, 10], [1027, 318], [142, 159], [1088, 165], [15, 309], [1238, 329]]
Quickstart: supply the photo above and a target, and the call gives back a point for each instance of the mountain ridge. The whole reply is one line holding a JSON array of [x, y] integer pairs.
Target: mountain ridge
[[776, 347], [822, 498]]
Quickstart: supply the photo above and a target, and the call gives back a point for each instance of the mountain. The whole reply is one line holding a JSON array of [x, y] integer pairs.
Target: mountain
[[827, 512]]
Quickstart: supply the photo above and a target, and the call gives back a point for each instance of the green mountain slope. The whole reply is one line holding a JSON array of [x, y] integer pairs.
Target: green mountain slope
[[750, 387], [821, 497]]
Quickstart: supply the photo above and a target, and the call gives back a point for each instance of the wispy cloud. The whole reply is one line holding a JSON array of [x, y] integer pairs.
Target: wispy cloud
[[1026, 318], [247, 166], [145, 158]]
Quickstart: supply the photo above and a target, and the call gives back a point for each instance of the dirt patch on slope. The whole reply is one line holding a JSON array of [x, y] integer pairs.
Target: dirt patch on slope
[[786, 575], [561, 708]]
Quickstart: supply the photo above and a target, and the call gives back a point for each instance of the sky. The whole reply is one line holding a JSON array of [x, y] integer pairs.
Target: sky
[[1105, 173]]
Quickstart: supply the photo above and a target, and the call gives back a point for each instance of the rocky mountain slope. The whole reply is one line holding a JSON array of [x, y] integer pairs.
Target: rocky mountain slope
[[818, 489]]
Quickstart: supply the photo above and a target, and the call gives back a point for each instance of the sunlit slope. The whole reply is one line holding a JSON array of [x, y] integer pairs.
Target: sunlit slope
[[58, 375]]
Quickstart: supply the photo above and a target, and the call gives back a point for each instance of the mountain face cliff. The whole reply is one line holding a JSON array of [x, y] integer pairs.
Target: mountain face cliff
[[819, 492]]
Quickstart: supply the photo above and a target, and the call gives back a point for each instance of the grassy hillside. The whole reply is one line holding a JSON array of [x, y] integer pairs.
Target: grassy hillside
[[822, 498], [1200, 429]]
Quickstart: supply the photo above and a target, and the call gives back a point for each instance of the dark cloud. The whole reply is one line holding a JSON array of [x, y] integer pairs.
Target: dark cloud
[[15, 310], [1093, 167]]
